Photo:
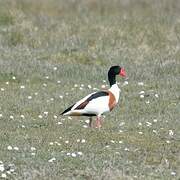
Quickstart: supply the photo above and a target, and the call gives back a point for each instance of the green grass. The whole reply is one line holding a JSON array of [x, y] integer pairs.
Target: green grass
[[83, 39]]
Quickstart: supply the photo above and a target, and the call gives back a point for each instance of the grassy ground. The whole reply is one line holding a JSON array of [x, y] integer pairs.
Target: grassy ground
[[52, 53]]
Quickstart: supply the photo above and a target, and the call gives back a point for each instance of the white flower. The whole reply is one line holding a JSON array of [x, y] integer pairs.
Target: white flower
[[61, 97], [36, 93], [55, 68], [14, 77], [2, 89], [47, 77], [33, 154], [122, 124], [104, 81], [44, 84], [87, 121], [51, 160], [7, 82], [55, 117], [156, 95], [82, 85], [140, 132], [68, 154], [147, 102], [46, 113], [141, 92], [173, 173], [3, 175], [29, 97], [103, 86], [69, 118], [171, 133], [33, 148], [16, 148], [73, 154], [51, 143], [81, 88], [155, 120], [125, 83], [83, 141], [9, 148], [1, 115], [140, 124], [58, 82], [89, 86], [67, 142], [154, 131], [40, 116], [78, 140], [11, 117], [80, 153], [148, 123], [2, 167], [167, 141], [75, 85], [140, 83], [52, 99], [22, 116], [120, 142], [59, 123], [23, 126], [141, 96], [112, 141], [22, 87]]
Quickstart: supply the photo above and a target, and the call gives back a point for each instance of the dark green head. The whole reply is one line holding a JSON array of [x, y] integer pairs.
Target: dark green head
[[113, 71]]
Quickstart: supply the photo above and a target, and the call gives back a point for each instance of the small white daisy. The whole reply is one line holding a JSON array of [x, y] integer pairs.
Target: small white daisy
[[16, 148], [141, 96], [29, 97], [2, 167], [61, 97], [3, 175], [73, 154], [140, 83], [22, 116], [67, 142], [33, 148], [40, 116], [9, 148], [79, 153], [83, 141], [55, 68], [89, 86], [22, 86], [11, 117], [51, 160]]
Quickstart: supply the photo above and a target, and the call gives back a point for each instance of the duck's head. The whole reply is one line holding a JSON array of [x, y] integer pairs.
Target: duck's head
[[113, 71]]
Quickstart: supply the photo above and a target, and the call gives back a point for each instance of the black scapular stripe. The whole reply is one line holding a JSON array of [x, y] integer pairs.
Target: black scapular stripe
[[68, 109], [96, 95], [93, 96]]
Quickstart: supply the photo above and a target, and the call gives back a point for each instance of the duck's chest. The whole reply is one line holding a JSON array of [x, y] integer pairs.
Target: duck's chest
[[114, 93]]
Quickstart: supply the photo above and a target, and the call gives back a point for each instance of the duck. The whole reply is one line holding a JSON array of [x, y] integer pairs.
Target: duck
[[100, 102]]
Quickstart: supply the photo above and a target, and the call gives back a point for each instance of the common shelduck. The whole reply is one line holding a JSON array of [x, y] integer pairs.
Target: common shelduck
[[97, 103]]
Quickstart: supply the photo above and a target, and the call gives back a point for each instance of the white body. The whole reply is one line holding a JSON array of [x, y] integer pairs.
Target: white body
[[96, 106]]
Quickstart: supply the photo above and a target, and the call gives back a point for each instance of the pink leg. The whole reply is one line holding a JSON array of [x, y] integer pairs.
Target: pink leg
[[98, 122]]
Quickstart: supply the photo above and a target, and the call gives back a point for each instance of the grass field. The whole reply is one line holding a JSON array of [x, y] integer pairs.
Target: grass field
[[52, 53]]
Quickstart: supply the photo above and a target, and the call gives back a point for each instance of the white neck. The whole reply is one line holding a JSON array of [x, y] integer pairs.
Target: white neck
[[116, 91]]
